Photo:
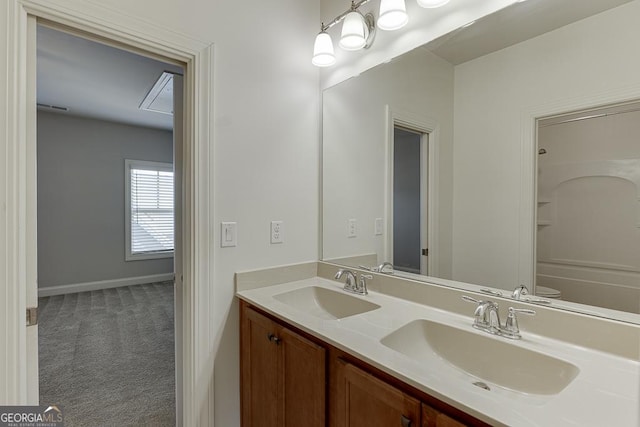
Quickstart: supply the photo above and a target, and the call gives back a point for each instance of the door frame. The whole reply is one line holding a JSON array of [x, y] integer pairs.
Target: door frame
[[431, 128], [17, 188]]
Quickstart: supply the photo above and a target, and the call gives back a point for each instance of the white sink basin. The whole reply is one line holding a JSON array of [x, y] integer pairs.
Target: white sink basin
[[325, 303], [492, 359]]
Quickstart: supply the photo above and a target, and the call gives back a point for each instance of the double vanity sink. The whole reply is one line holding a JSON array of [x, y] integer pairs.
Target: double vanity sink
[[480, 355], [533, 381]]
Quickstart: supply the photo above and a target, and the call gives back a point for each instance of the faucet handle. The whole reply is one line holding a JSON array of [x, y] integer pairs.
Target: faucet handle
[[362, 283], [511, 328], [469, 299]]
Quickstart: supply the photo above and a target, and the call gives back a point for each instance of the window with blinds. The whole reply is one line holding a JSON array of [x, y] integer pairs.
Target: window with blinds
[[149, 209]]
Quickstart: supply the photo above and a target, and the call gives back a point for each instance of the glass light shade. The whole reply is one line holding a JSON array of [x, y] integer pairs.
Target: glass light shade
[[393, 15], [430, 4], [354, 32], [323, 55]]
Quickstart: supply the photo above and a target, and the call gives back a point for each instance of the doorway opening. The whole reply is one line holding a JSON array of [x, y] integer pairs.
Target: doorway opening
[[410, 200], [588, 210], [109, 200]]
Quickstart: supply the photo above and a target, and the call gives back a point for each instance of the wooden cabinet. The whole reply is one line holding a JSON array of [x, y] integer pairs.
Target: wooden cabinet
[[431, 417], [363, 400], [283, 375], [292, 379]]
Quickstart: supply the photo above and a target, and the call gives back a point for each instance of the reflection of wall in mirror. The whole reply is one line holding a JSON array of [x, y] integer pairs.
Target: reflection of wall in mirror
[[588, 243], [581, 61], [355, 150]]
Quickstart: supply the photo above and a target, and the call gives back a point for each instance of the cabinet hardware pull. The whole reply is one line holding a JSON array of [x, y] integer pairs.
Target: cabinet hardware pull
[[405, 422], [273, 338]]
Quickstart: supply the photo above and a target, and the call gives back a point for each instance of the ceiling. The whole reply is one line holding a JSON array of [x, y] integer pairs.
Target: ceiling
[[514, 24], [95, 80]]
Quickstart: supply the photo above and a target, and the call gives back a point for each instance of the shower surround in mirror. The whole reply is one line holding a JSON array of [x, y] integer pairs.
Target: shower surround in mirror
[[483, 102], [588, 245]]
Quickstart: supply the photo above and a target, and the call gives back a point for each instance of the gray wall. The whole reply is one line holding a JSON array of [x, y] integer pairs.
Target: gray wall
[[81, 198]]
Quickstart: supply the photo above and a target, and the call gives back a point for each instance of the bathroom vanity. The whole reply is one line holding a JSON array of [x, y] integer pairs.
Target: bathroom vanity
[[406, 354], [292, 378]]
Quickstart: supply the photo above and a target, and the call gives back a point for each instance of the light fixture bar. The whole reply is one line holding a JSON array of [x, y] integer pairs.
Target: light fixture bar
[[354, 6], [359, 31]]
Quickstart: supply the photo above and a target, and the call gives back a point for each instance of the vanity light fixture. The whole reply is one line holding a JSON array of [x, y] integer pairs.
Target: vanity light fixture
[[432, 4], [358, 30], [355, 31], [323, 55], [392, 15]]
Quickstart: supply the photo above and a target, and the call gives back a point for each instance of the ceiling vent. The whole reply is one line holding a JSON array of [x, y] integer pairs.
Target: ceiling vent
[[52, 108], [160, 97]]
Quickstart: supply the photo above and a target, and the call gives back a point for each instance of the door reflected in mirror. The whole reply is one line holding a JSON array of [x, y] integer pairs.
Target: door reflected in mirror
[[410, 206]]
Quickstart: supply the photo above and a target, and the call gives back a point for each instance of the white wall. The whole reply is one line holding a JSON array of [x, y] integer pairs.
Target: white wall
[[424, 25], [355, 149], [585, 60], [265, 145], [81, 198]]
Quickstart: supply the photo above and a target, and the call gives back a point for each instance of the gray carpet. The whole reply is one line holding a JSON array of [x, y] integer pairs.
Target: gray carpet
[[107, 357]]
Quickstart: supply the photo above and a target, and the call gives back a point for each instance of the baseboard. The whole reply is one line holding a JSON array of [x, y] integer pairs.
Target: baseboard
[[102, 284]]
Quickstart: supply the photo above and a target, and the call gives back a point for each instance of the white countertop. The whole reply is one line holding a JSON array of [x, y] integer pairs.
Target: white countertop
[[606, 392]]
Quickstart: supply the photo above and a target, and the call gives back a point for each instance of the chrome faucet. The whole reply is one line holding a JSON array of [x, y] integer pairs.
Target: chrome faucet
[[381, 267], [486, 316], [352, 284], [519, 292], [350, 280], [487, 319]]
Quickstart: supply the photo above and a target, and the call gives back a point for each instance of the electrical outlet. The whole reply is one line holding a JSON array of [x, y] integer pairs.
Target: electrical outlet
[[352, 228], [277, 232], [378, 226], [228, 234]]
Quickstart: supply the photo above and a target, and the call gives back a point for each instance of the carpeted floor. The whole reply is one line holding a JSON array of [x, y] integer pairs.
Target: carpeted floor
[[107, 357]]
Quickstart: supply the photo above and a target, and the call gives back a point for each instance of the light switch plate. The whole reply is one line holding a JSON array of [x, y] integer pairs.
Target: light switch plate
[[352, 228], [378, 226], [228, 234]]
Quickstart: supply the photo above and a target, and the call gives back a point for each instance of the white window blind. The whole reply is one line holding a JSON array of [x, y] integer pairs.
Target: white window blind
[[150, 209]]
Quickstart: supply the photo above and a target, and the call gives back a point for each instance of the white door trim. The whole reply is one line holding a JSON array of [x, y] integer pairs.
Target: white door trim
[[431, 127], [16, 201]]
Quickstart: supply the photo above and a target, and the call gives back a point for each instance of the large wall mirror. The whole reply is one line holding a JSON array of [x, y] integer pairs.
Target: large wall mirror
[[505, 153]]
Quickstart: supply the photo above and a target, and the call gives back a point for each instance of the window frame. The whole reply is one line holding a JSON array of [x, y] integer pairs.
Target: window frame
[[147, 165]]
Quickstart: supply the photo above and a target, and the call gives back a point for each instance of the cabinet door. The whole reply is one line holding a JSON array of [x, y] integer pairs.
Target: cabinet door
[[304, 372], [259, 366], [370, 402], [433, 418], [283, 375]]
